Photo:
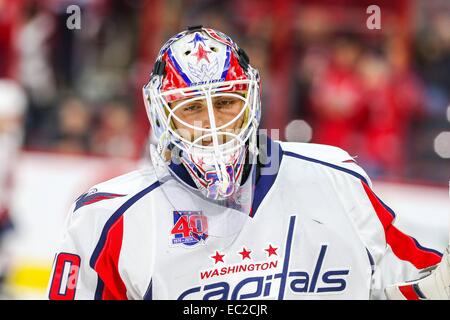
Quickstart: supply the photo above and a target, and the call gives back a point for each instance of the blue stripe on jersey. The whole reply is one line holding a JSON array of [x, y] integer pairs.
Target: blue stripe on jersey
[[372, 262], [417, 290], [149, 293], [287, 256], [351, 172], [418, 245], [99, 289], [386, 207], [265, 182]]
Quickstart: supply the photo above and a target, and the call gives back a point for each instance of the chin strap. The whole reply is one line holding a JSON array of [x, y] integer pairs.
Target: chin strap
[[435, 286]]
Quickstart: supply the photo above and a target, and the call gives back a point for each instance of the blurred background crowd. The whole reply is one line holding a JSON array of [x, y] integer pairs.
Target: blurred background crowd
[[382, 95]]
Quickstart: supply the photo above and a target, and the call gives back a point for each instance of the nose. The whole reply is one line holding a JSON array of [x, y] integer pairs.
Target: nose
[[204, 120]]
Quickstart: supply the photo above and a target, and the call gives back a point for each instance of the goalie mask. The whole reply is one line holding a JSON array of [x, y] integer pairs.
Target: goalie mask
[[203, 102]]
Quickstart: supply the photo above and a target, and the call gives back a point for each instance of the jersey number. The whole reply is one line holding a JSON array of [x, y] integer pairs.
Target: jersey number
[[65, 276]]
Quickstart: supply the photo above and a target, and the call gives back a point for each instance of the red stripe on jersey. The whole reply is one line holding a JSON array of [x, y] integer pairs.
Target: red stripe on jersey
[[409, 292], [107, 265], [102, 197], [403, 246]]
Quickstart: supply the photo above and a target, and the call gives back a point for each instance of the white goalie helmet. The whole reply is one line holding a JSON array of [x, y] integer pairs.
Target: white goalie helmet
[[203, 102]]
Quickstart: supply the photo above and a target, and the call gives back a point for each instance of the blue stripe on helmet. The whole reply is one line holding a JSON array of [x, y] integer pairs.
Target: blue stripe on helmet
[[177, 66], [226, 65]]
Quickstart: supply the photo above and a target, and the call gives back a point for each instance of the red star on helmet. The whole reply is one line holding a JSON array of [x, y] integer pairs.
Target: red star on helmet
[[201, 53], [218, 257], [271, 250], [245, 253]]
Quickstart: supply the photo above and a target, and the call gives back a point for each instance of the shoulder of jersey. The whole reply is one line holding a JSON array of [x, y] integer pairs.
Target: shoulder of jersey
[[324, 154], [109, 195], [317, 151]]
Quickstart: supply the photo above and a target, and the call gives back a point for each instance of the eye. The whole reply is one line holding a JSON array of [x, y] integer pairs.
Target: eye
[[192, 107], [225, 102]]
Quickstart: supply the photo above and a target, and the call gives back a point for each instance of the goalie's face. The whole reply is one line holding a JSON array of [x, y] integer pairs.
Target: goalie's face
[[204, 105], [193, 119]]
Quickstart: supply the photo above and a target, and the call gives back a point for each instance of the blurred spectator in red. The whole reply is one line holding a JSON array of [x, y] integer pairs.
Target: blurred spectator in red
[[336, 98], [392, 94], [6, 48]]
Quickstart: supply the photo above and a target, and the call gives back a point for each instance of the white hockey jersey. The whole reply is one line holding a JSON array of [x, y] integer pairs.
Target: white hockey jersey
[[316, 231]]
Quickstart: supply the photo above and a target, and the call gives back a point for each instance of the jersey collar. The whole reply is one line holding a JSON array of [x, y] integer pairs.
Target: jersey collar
[[267, 168]]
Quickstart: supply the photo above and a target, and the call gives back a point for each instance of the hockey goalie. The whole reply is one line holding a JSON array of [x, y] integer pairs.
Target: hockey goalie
[[224, 212]]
